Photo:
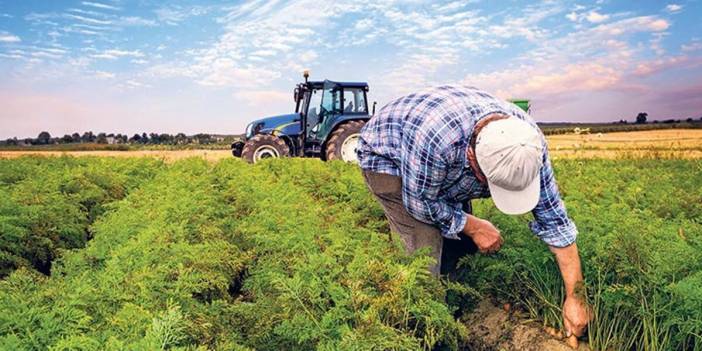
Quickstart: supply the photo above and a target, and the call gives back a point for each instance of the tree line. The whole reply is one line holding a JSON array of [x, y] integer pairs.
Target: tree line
[[45, 138]]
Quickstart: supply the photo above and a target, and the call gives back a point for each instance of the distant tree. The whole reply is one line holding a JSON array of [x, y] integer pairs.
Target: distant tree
[[136, 138], [202, 138], [66, 139], [165, 138], [144, 138], [75, 137], [181, 138], [154, 139], [689, 120], [28, 141], [641, 118], [11, 141], [88, 137], [44, 138], [101, 138]]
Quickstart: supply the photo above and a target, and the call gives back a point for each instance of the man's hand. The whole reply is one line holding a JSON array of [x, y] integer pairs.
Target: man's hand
[[576, 313], [484, 234]]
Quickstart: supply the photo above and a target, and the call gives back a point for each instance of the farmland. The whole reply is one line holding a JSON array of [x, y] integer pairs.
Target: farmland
[[663, 143], [140, 254]]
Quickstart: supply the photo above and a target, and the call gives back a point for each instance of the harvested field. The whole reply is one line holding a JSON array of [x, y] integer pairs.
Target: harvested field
[[668, 143]]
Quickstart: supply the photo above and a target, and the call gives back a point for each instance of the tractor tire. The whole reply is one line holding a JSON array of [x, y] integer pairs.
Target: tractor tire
[[343, 142], [237, 147], [263, 146]]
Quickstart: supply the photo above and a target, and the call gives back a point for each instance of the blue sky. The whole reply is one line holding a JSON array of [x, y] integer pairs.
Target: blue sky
[[212, 66]]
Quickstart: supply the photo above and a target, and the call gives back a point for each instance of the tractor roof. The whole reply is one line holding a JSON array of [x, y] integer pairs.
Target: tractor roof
[[319, 84]]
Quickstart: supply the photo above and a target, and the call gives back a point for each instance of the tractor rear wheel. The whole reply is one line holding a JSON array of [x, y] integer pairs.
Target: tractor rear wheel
[[343, 142], [264, 146]]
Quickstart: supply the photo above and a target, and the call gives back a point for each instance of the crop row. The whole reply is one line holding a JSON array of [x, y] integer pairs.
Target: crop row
[[47, 204], [228, 257], [296, 255]]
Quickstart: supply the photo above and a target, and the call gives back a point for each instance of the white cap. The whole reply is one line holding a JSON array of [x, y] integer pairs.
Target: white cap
[[510, 154]]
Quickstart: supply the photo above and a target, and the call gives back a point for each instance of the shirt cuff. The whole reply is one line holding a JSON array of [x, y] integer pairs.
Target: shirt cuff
[[458, 222], [557, 236]]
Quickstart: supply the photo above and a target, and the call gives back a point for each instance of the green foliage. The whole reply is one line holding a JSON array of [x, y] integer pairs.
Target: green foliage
[[295, 255], [47, 204], [233, 257], [641, 245]]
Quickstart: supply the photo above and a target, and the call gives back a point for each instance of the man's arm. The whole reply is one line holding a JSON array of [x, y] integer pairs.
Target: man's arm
[[575, 311], [554, 227]]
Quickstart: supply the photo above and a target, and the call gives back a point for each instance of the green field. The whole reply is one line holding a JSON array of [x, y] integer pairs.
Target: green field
[[294, 254]]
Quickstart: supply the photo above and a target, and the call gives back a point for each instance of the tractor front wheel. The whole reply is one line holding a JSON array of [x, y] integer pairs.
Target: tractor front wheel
[[343, 142], [264, 146]]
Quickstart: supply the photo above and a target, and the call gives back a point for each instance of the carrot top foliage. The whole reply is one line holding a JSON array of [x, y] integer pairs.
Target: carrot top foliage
[[295, 255]]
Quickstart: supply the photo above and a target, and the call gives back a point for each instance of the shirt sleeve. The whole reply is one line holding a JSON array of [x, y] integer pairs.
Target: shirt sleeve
[[551, 222], [423, 172]]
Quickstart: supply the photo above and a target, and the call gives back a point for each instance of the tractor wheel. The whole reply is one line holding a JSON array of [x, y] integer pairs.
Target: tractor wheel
[[237, 147], [264, 146], [343, 142]]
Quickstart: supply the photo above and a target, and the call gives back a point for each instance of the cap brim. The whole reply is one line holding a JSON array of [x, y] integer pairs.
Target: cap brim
[[516, 202]]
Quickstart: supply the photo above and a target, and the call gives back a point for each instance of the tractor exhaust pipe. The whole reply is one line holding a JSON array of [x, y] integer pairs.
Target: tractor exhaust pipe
[[306, 74]]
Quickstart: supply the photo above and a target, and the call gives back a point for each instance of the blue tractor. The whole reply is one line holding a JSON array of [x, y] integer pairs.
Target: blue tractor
[[326, 124]]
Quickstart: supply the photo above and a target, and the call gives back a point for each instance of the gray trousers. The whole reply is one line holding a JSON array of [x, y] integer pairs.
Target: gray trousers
[[414, 233]]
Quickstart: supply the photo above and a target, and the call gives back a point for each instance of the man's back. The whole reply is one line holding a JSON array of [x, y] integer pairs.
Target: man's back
[[439, 119]]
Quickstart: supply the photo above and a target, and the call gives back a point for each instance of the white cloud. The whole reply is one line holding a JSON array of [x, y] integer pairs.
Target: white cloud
[[573, 16], [135, 21], [6, 37], [12, 56], [88, 19], [673, 8], [363, 24], [100, 5], [104, 75], [175, 14], [596, 17], [114, 54], [694, 45], [308, 56], [600, 58]]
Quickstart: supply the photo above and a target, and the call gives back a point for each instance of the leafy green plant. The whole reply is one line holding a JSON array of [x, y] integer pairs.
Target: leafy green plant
[[296, 255]]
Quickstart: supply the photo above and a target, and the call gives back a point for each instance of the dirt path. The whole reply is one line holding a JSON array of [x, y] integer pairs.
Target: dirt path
[[492, 329]]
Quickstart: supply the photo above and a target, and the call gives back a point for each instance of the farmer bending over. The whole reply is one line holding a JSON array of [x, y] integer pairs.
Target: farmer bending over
[[427, 154]]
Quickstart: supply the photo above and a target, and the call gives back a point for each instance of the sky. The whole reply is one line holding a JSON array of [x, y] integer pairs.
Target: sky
[[126, 66]]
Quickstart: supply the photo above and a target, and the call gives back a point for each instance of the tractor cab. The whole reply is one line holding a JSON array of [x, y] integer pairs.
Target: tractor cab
[[326, 123], [324, 105]]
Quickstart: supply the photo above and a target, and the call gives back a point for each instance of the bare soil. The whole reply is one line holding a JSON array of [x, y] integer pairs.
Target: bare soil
[[491, 328]]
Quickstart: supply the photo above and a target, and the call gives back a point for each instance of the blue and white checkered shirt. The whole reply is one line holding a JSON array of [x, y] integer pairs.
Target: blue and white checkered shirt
[[423, 138]]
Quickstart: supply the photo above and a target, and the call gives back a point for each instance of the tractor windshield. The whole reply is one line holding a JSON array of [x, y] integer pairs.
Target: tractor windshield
[[314, 105]]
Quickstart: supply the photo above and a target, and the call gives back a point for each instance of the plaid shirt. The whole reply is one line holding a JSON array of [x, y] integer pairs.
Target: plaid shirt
[[423, 138]]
